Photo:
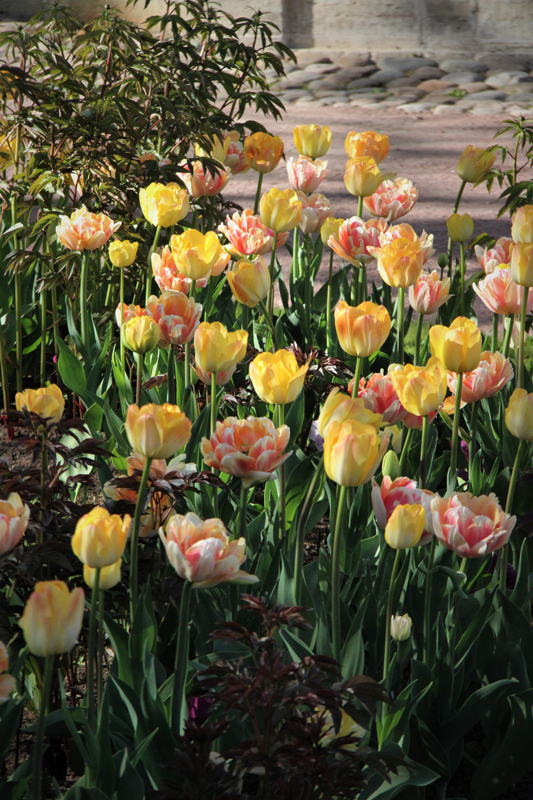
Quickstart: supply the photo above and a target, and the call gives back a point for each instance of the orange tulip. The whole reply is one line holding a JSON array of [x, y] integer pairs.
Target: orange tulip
[[371, 144], [400, 262], [263, 151]]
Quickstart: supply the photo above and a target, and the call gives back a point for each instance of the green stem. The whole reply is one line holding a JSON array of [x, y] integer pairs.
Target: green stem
[[399, 323], [335, 574], [422, 477], [360, 207], [450, 243], [178, 706], [508, 334], [83, 297], [187, 366], [100, 652], [427, 599], [270, 300], [295, 266], [55, 318], [308, 284], [122, 348], [357, 376], [405, 449], [362, 283], [329, 329], [508, 510], [91, 648], [455, 430], [495, 321], [418, 339], [300, 532], [148, 288], [521, 351], [258, 192], [282, 484], [43, 338], [354, 286], [37, 776], [213, 402], [3, 372], [462, 275], [171, 377], [44, 469], [386, 660], [134, 546], [242, 511], [140, 360], [473, 440], [18, 295], [270, 324]]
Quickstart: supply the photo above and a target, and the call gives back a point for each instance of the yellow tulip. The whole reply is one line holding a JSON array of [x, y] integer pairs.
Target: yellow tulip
[[522, 227], [312, 140], [164, 204], [352, 452], [519, 415], [52, 618], [249, 281], [405, 526], [157, 431], [340, 407], [460, 227], [459, 346], [48, 402], [369, 144], [474, 163], [522, 263], [263, 151], [276, 377], [362, 176], [400, 262], [109, 576], [361, 329], [141, 334], [330, 228], [218, 150], [122, 254], [216, 349], [280, 210], [100, 538], [421, 389], [195, 253]]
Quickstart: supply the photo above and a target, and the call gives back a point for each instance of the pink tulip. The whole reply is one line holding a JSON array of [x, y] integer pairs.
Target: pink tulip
[[405, 231], [235, 159], [248, 235], [84, 230], [380, 396], [355, 237], [392, 200], [491, 258], [492, 374], [14, 517], [400, 492], [429, 293], [306, 175], [202, 183], [315, 210], [470, 526], [177, 315], [501, 294]]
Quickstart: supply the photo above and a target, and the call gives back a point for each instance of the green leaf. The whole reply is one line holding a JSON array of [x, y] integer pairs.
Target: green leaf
[[474, 709], [295, 418]]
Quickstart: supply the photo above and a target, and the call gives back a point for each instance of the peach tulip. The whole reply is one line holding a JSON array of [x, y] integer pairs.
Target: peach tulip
[[400, 262], [306, 175], [421, 389], [157, 431], [519, 415], [493, 372], [352, 452], [368, 143], [250, 281], [379, 395], [248, 235], [355, 237], [177, 315], [470, 526], [340, 407], [522, 225], [235, 158], [100, 538], [362, 176], [201, 182], [52, 618], [316, 209], [263, 151], [491, 257], [166, 274], [404, 231], [429, 293], [361, 329], [501, 294], [392, 200], [84, 230], [130, 312], [14, 518], [402, 491]]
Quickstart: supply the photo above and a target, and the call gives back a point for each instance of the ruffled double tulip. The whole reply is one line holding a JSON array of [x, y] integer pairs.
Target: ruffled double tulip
[[405, 526], [316, 209], [157, 431], [306, 175], [8, 683], [276, 377], [340, 407], [421, 389], [368, 143], [195, 253], [400, 627], [429, 293], [48, 402], [122, 253], [249, 281], [250, 449], [400, 492], [519, 415], [460, 227], [362, 176], [521, 262], [14, 518], [379, 395], [522, 225], [84, 230], [474, 163], [141, 334], [491, 257], [202, 182], [216, 349], [400, 262], [501, 294], [164, 204], [177, 316], [52, 618], [459, 346], [404, 231], [201, 551], [263, 151], [352, 452], [312, 141], [281, 210], [248, 235], [361, 329], [493, 372], [130, 312], [470, 526], [100, 538], [392, 200], [330, 227], [167, 275], [355, 238]]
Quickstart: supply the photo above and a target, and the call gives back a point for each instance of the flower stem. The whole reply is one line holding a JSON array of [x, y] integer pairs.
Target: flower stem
[[187, 366], [270, 300], [43, 338], [508, 334], [521, 351], [386, 660], [242, 510], [83, 297], [455, 430], [329, 331], [178, 707], [300, 532], [270, 324], [450, 243], [44, 469], [3, 372], [462, 275], [422, 477], [90, 649], [122, 348], [148, 288], [282, 482], [405, 449], [171, 377], [399, 322], [18, 295], [335, 574], [508, 510], [134, 546], [494, 342], [357, 376], [473, 440], [360, 207], [140, 360], [362, 282], [258, 192], [418, 339], [427, 600], [37, 776], [295, 266], [100, 652], [213, 402]]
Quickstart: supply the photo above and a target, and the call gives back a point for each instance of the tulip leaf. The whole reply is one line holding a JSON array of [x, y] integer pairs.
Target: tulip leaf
[[408, 773], [475, 708], [295, 418]]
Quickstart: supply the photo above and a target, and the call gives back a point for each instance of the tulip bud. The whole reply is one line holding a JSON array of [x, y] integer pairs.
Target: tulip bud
[[216, 349], [330, 228], [361, 329], [276, 377], [391, 465], [280, 210], [100, 538], [519, 415], [157, 431], [460, 227], [312, 140], [48, 402], [474, 163], [141, 334], [263, 151], [405, 526], [122, 254], [522, 263], [52, 618], [352, 452], [362, 176], [249, 281], [459, 346], [109, 576], [400, 627], [164, 204], [522, 227]]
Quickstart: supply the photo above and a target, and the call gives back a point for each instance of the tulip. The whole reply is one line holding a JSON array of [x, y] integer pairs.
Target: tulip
[[281, 210], [84, 230], [421, 389], [340, 407], [141, 334], [130, 312], [500, 293], [100, 538], [330, 227], [460, 227], [312, 141], [390, 466], [400, 262], [362, 176], [249, 236], [250, 449], [109, 576], [392, 200], [400, 627], [263, 152], [316, 208], [490, 258], [347, 727], [164, 204], [8, 683], [157, 431], [369, 143], [415, 422], [221, 377], [166, 274], [400, 492], [250, 281], [48, 402], [379, 395], [474, 163], [306, 175], [276, 377], [522, 225], [459, 346], [405, 231], [201, 182], [429, 293], [122, 254], [470, 526], [519, 415], [216, 349], [521, 262], [177, 317], [493, 372], [235, 158], [51, 622], [195, 254], [352, 452], [405, 526], [361, 329], [355, 237], [14, 518], [218, 149]]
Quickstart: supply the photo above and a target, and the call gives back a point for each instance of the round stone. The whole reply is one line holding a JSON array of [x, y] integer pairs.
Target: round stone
[[462, 77], [462, 65], [501, 79]]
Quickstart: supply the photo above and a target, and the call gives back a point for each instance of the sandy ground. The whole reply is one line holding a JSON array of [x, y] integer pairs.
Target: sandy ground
[[423, 147]]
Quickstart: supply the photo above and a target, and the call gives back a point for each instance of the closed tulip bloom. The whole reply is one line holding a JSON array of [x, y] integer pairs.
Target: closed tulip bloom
[[249, 281], [312, 141], [355, 237], [522, 264], [362, 176], [248, 235], [390, 466], [405, 526], [276, 377], [400, 627], [201, 551], [470, 526], [404, 231], [459, 346], [157, 431], [522, 225], [141, 334], [250, 449], [367, 144], [501, 294], [421, 389], [491, 257], [216, 349], [379, 395], [47, 401], [263, 151], [429, 293], [474, 163], [109, 576], [493, 372], [100, 538], [352, 452], [306, 175], [217, 150], [400, 262], [460, 227], [519, 415], [235, 158], [164, 204], [195, 253], [177, 316], [200, 182], [52, 618], [330, 227], [340, 407], [398, 492], [392, 200], [122, 254], [280, 210], [361, 329], [8, 683], [316, 208], [14, 518], [84, 230]]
